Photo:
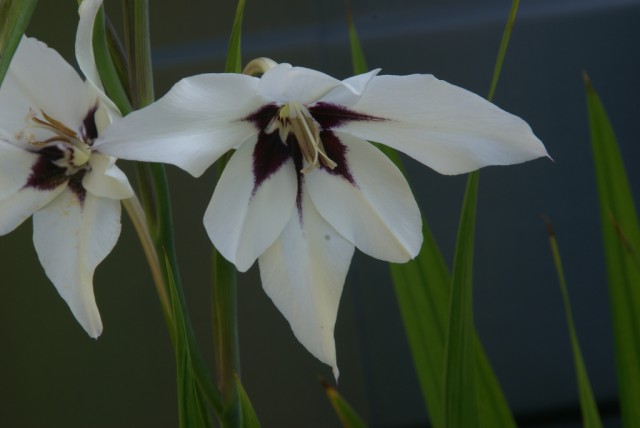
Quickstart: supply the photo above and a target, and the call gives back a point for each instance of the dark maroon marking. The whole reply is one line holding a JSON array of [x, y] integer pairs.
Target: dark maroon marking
[[337, 152], [261, 117], [330, 116], [296, 154], [269, 155], [89, 128], [75, 185], [45, 175]]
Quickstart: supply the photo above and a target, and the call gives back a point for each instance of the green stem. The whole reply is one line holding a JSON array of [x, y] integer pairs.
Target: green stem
[[154, 187], [225, 329], [225, 335], [137, 32]]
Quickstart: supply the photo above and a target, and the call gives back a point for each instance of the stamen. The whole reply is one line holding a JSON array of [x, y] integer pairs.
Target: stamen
[[295, 118], [75, 151]]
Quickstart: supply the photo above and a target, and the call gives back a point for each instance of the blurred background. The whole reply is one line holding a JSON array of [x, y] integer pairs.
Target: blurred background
[[52, 374]]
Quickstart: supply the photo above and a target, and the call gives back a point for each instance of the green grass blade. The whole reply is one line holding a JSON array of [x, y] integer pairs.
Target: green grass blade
[[460, 404], [621, 238], [14, 19], [192, 411], [423, 292], [589, 409], [347, 415], [106, 66], [233, 63], [248, 415]]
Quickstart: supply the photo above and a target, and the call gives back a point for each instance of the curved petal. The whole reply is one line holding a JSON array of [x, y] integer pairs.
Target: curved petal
[[284, 83], [15, 168], [40, 79], [16, 208], [105, 179], [88, 10], [378, 212], [196, 122], [351, 89], [243, 221], [71, 239], [441, 125], [303, 272]]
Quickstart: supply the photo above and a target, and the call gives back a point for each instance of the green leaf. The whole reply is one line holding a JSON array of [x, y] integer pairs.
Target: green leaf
[[106, 66], [423, 292], [621, 237], [192, 410], [14, 19], [234, 55], [348, 417], [249, 417], [590, 416], [460, 404]]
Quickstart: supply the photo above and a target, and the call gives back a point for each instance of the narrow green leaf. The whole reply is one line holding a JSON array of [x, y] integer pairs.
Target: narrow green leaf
[[234, 53], [347, 415], [140, 76], [192, 411], [357, 54], [621, 237], [590, 416], [225, 336], [423, 291], [106, 66], [14, 19], [249, 417], [224, 291], [460, 404]]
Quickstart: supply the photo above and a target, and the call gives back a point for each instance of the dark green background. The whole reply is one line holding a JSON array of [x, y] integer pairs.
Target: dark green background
[[53, 375]]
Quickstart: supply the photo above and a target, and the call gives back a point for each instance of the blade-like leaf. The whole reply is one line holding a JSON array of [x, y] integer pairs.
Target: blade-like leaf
[[347, 415], [192, 410], [590, 416], [14, 18], [106, 66], [460, 404], [248, 415], [234, 54], [423, 292], [621, 237]]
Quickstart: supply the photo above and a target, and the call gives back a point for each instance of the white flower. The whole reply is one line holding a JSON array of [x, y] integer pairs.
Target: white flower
[[50, 120], [304, 187]]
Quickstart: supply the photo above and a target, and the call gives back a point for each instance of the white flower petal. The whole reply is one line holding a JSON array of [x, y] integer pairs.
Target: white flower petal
[[88, 10], [379, 214], [15, 168], [243, 224], [40, 79], [105, 179], [71, 239], [351, 89], [441, 125], [16, 208], [303, 272], [284, 83], [196, 122]]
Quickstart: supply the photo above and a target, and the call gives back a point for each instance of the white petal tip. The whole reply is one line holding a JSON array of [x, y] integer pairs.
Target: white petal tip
[[336, 373]]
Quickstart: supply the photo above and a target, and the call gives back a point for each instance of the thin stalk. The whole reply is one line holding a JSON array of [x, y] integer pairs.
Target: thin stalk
[[154, 186], [225, 335], [224, 286], [137, 216]]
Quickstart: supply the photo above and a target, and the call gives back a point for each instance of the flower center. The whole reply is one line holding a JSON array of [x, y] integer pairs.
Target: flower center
[[67, 149], [294, 118]]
